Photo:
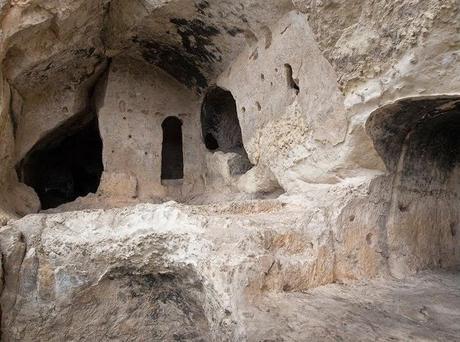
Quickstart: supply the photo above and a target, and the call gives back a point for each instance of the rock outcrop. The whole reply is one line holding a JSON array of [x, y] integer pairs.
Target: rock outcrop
[[205, 170]]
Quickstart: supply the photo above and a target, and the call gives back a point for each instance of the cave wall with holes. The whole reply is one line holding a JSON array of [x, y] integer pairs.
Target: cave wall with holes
[[286, 73], [308, 79], [138, 99], [288, 102], [54, 53]]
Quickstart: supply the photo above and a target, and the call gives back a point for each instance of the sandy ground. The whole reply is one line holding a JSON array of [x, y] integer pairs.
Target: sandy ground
[[425, 307]]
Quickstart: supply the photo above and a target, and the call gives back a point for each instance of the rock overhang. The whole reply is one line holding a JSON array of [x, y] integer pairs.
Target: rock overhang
[[194, 41]]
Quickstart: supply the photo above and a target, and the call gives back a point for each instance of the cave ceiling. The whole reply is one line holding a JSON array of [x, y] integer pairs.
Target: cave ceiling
[[192, 40]]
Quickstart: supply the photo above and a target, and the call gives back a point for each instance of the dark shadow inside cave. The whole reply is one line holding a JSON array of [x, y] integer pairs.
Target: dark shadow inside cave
[[419, 141], [220, 125], [172, 158], [418, 134], [219, 122], [66, 164], [432, 152], [291, 82]]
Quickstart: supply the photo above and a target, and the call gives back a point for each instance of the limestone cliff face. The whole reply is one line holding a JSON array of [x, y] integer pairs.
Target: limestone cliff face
[[308, 143]]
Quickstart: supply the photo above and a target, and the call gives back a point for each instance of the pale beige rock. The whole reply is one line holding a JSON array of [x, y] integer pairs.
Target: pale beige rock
[[104, 252], [347, 170], [118, 185], [283, 126], [27, 201], [258, 180], [138, 98]]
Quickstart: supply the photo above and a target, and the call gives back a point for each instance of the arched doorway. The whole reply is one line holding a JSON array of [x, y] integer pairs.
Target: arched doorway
[[172, 158]]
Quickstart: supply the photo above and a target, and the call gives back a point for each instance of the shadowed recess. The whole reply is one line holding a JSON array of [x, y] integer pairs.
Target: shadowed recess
[[424, 119], [219, 122], [221, 128], [419, 141], [66, 164], [172, 159]]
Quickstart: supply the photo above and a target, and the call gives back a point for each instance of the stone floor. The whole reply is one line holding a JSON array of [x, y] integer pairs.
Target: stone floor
[[425, 307]]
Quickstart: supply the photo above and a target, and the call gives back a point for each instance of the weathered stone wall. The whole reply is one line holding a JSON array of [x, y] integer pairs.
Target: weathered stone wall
[[339, 106], [363, 40], [138, 98], [290, 108], [6, 150]]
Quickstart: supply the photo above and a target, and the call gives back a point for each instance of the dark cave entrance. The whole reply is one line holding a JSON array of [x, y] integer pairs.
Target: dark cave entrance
[[220, 125], [219, 122], [66, 164], [418, 137], [432, 153], [419, 141], [172, 158]]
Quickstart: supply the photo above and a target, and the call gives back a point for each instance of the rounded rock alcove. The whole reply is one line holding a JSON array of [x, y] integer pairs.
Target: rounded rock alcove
[[419, 141], [65, 164], [221, 128]]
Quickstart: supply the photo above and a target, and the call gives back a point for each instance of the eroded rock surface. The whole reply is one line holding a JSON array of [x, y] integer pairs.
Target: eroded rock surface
[[422, 308], [158, 272], [171, 272], [213, 170]]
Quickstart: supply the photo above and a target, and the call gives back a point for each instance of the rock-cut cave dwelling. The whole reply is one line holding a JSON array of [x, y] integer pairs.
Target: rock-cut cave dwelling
[[230, 170]]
